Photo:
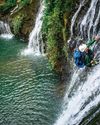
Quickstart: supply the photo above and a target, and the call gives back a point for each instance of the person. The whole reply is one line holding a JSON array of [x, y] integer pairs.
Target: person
[[84, 56]]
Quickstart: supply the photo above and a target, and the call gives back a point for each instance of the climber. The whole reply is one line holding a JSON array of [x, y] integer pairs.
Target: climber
[[84, 56]]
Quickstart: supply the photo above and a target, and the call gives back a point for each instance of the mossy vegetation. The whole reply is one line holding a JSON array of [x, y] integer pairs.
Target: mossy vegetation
[[17, 23], [9, 4], [56, 24], [23, 2], [20, 14]]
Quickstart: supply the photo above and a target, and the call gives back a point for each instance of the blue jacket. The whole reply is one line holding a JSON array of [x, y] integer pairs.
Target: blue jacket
[[79, 58]]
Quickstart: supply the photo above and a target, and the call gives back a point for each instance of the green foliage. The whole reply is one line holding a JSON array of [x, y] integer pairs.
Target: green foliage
[[23, 3], [51, 28], [9, 4], [17, 23], [54, 30]]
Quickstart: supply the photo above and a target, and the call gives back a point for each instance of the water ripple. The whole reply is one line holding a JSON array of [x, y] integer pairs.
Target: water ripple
[[27, 93]]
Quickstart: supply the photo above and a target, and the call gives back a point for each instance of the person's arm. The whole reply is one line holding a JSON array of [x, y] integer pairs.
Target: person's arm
[[90, 43], [95, 39]]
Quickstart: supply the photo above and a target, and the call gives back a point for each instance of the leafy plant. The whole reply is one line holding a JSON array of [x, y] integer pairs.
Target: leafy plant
[[7, 5], [17, 23], [22, 3]]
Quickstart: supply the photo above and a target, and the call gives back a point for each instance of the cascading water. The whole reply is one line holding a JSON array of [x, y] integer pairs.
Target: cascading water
[[5, 30], [86, 21], [75, 16], [81, 103], [36, 45], [81, 98]]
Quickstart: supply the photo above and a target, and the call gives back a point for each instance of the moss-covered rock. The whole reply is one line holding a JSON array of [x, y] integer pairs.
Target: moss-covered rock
[[21, 16], [56, 31]]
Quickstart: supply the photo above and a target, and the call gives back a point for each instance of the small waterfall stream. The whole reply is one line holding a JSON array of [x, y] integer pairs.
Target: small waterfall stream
[[81, 102], [36, 45], [5, 31]]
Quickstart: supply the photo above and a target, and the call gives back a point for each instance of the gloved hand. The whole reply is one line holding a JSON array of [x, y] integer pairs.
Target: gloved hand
[[97, 38]]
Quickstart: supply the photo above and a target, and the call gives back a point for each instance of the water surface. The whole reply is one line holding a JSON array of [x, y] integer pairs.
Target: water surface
[[28, 87]]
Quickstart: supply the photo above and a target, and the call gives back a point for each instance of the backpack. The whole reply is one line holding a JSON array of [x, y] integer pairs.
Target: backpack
[[79, 58]]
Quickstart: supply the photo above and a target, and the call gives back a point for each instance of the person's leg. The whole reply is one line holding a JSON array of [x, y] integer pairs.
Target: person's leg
[[87, 60]]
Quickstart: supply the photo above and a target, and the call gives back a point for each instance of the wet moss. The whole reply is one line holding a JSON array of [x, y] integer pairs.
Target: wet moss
[[55, 30]]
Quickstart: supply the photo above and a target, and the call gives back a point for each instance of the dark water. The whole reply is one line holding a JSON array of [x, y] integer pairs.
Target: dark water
[[28, 88]]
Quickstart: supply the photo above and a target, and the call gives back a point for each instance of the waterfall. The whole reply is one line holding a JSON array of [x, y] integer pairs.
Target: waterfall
[[75, 16], [5, 31], [82, 97], [36, 45], [96, 23], [86, 21]]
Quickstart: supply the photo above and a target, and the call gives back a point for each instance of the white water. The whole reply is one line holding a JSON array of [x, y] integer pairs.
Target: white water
[[89, 21], [75, 16], [36, 45], [84, 98], [83, 94], [5, 31], [96, 23], [87, 24]]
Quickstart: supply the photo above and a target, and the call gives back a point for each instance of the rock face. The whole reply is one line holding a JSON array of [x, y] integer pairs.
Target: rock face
[[1, 1], [21, 18]]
